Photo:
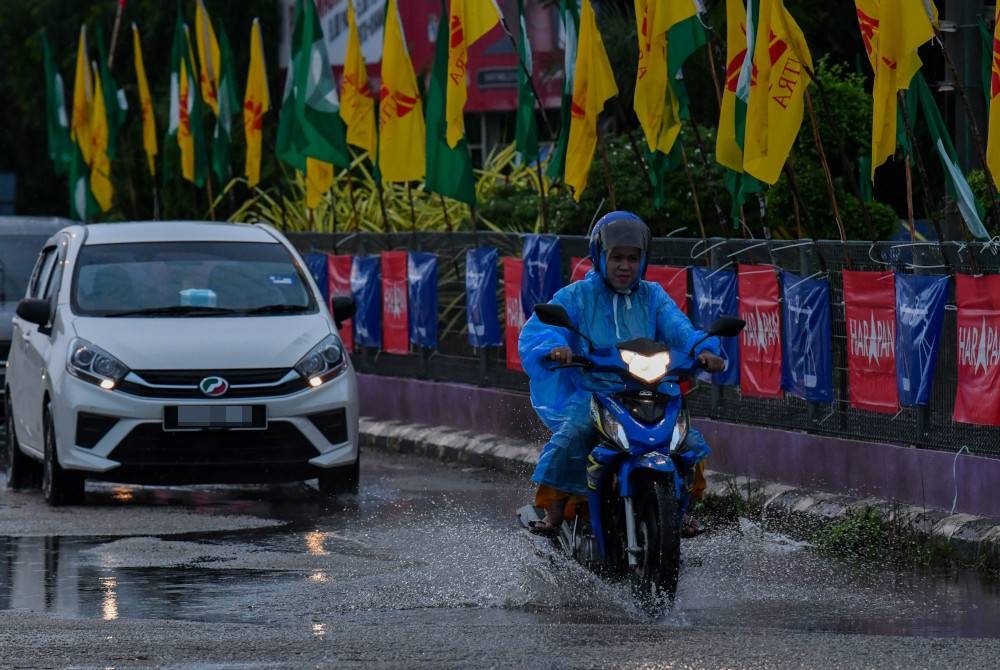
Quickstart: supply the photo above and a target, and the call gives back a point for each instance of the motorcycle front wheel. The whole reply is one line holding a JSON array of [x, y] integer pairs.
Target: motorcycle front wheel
[[658, 535]]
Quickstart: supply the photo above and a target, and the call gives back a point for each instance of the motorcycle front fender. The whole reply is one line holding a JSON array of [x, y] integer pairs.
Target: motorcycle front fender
[[655, 461]]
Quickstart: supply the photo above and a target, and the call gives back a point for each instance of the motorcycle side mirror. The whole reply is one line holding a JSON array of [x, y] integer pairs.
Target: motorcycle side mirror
[[727, 326], [555, 315], [344, 308]]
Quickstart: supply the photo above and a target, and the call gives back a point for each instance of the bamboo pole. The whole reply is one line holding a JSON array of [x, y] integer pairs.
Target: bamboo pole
[[694, 190], [607, 169], [921, 168], [114, 32], [444, 210], [413, 209], [831, 191], [381, 203]]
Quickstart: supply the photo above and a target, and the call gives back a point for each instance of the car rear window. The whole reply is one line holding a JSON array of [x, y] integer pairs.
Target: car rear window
[[163, 278]]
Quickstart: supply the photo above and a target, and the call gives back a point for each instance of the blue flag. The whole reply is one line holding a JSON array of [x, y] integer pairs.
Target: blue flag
[[920, 301], [481, 297], [319, 269], [541, 274], [807, 344], [422, 274], [714, 296], [366, 285]]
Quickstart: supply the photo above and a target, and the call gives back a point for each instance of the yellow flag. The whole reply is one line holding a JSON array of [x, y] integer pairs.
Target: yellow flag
[[256, 103], [208, 57], [777, 94], [993, 138], [402, 147], [83, 97], [185, 134], [319, 180], [654, 102], [468, 20], [357, 106], [146, 103], [100, 164], [593, 85], [728, 151], [898, 28]]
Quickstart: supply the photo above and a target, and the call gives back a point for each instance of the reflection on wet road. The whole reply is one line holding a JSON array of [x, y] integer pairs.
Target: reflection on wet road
[[434, 542]]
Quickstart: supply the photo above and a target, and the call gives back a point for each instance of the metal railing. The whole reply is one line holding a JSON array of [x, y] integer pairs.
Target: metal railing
[[931, 426]]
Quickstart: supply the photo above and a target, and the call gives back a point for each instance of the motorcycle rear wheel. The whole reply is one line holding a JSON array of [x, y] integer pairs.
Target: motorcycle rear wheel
[[658, 535]]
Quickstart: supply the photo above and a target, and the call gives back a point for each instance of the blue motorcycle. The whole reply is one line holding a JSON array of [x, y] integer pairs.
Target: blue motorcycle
[[639, 471]]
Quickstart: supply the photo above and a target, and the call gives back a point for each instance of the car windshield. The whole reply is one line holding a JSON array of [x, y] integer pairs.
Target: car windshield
[[183, 279], [18, 254]]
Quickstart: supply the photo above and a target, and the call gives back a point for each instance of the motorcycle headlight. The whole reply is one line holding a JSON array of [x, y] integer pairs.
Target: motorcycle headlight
[[89, 362], [608, 425], [323, 362], [648, 369], [680, 430]]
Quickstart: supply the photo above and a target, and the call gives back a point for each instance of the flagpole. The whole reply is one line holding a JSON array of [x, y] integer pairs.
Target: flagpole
[[800, 208], [831, 191], [444, 210], [413, 210], [333, 207], [381, 204], [607, 167], [694, 190], [211, 198], [114, 32], [921, 168], [635, 148]]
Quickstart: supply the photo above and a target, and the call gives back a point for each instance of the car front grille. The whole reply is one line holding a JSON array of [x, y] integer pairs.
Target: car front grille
[[245, 383]]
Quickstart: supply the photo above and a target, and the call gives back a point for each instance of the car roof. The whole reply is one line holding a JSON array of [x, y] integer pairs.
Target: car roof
[[175, 231], [32, 225]]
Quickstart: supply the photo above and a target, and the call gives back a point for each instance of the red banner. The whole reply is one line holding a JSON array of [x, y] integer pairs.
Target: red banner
[[977, 399], [512, 308], [395, 328], [339, 283], [870, 320], [673, 280], [579, 268], [760, 342]]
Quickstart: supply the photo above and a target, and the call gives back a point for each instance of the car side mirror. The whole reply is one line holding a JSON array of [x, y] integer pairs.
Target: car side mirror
[[35, 310], [344, 308]]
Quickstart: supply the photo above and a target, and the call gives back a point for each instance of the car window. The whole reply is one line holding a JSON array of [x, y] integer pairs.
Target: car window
[[18, 256], [43, 271], [112, 279], [54, 278]]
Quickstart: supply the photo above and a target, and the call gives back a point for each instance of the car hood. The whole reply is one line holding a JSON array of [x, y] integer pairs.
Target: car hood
[[206, 343]]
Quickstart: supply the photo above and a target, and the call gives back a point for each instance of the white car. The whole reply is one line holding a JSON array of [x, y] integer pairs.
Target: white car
[[177, 353]]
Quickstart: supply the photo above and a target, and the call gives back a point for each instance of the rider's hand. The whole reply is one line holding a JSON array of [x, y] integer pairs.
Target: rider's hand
[[711, 362], [561, 354]]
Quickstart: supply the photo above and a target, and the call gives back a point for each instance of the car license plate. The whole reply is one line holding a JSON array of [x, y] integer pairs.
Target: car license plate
[[190, 417]]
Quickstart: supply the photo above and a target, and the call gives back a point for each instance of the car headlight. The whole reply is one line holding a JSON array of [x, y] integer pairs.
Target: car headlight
[[649, 369], [89, 362], [323, 362], [608, 425], [680, 430]]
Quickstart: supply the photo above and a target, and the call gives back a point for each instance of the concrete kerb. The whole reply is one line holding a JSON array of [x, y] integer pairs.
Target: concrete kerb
[[967, 539]]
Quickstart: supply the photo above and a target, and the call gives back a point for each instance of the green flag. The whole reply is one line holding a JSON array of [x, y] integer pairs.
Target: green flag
[[82, 205], [526, 137], [309, 125], [114, 97], [228, 106], [741, 184], [184, 139], [449, 171], [958, 185], [55, 113], [569, 15]]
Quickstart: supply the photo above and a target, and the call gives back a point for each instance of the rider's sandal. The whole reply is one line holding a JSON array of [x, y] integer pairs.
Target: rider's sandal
[[544, 528], [691, 527]]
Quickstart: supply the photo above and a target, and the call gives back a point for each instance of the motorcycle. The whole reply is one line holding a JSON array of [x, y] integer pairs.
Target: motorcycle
[[639, 471]]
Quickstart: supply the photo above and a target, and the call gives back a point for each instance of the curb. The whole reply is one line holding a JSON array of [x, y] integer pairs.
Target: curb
[[961, 539]]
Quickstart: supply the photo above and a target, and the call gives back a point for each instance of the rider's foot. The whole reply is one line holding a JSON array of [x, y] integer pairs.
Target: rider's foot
[[549, 526], [691, 527]]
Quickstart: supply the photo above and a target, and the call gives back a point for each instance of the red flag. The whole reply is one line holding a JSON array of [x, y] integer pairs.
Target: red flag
[[580, 268], [870, 315], [339, 283], [512, 308], [977, 399], [673, 280], [395, 328], [760, 342]]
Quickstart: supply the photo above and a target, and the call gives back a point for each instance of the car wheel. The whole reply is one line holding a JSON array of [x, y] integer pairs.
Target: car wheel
[[60, 487], [340, 479], [22, 472]]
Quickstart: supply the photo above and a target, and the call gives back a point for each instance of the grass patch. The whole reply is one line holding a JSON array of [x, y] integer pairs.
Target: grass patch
[[727, 506]]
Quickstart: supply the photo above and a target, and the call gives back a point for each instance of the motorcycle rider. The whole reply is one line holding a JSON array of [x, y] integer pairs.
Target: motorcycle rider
[[611, 304]]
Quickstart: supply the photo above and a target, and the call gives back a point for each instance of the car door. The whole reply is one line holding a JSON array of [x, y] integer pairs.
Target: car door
[[32, 343]]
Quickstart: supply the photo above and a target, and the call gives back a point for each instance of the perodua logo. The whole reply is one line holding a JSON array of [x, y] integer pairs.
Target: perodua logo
[[213, 387]]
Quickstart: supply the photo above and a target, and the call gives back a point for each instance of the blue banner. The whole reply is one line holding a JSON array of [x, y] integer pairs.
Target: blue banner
[[541, 275], [422, 277], [714, 296], [920, 301], [807, 342], [481, 310], [319, 269], [366, 285]]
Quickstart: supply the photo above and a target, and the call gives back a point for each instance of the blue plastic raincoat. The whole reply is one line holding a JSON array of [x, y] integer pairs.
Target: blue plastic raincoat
[[606, 317]]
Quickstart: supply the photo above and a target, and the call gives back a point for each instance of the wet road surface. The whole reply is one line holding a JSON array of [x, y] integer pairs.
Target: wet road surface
[[425, 568]]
